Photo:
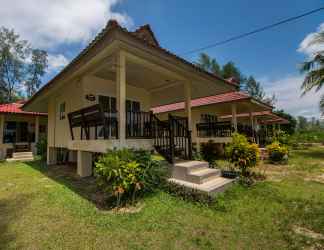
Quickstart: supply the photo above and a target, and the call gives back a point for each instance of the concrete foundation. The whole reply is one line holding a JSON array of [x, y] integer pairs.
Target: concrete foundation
[[84, 164]]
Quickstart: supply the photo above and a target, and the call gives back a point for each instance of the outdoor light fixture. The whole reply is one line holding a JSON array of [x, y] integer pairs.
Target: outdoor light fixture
[[90, 97]]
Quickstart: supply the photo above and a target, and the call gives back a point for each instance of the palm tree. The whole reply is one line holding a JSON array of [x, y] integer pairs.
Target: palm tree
[[314, 69]]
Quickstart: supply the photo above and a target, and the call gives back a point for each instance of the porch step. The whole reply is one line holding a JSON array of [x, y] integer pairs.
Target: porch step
[[22, 156], [203, 175], [212, 187], [198, 175]]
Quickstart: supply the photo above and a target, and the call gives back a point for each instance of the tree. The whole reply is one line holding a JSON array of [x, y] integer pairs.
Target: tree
[[20, 65], [208, 64], [230, 70], [302, 122], [36, 71], [291, 126], [314, 69], [254, 88]]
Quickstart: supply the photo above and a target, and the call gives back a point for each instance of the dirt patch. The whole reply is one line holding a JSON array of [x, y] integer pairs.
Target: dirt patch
[[127, 210], [308, 233], [318, 178]]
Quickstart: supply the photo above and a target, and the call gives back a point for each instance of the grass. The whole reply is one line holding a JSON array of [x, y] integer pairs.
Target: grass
[[45, 208]]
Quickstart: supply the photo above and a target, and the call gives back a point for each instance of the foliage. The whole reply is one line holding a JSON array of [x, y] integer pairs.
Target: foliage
[[19, 65], [309, 136], [188, 194], [314, 68], [41, 147], [125, 174], [210, 151], [209, 64], [254, 88], [242, 154], [289, 128], [277, 152]]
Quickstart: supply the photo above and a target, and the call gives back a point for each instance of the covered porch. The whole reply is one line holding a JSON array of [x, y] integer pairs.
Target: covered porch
[[117, 97]]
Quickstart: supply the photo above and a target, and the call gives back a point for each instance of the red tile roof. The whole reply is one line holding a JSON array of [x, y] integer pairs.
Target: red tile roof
[[222, 98], [273, 118], [15, 108]]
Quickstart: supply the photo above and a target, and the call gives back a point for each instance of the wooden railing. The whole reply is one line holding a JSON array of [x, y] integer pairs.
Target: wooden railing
[[181, 137], [138, 124], [94, 123], [162, 138], [214, 129]]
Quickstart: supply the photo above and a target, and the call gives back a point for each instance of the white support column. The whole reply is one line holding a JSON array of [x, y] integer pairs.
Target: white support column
[[51, 156], [234, 118], [252, 124], [187, 91], [121, 96], [84, 164], [36, 129]]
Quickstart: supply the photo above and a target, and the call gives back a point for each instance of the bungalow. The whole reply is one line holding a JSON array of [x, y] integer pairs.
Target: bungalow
[[102, 100], [215, 117], [20, 130]]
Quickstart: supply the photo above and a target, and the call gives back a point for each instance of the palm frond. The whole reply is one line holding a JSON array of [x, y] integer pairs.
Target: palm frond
[[321, 104]]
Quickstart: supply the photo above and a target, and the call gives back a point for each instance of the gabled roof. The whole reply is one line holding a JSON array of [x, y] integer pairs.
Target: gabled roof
[[215, 99], [144, 34], [15, 108], [273, 118]]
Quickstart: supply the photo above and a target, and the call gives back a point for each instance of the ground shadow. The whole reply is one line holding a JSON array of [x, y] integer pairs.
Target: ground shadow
[[10, 210], [67, 176]]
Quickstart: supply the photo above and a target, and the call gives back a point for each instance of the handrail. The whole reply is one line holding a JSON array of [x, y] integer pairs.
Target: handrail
[[214, 129], [94, 117]]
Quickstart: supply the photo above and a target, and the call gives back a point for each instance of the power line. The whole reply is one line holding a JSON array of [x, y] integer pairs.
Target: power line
[[270, 26]]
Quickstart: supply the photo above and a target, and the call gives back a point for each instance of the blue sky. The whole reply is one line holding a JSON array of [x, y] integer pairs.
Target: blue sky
[[272, 56]]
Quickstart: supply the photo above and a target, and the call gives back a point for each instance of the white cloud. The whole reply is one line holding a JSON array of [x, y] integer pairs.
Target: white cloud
[[288, 93], [309, 49], [56, 62], [48, 23]]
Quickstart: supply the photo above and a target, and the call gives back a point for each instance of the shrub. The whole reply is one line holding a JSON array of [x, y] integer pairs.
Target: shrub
[[126, 174], [210, 152], [41, 147], [188, 194], [242, 154], [277, 152]]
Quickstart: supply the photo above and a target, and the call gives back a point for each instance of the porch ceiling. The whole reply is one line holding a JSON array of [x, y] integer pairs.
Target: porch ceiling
[[165, 85]]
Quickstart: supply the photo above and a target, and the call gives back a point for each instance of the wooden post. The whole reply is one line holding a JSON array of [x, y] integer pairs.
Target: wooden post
[[252, 124], [121, 96], [187, 94], [36, 129], [234, 118]]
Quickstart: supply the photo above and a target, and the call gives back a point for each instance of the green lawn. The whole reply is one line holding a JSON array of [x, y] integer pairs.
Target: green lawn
[[46, 209]]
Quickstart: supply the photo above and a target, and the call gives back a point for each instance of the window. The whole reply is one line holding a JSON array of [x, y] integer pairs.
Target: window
[[62, 111]]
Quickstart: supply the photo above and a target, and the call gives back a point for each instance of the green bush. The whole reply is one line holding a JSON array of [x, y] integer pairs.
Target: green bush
[[277, 152], [125, 174], [242, 154], [187, 194], [41, 147], [210, 152]]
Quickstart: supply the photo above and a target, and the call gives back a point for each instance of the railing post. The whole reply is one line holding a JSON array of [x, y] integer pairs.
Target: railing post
[[171, 133], [71, 128]]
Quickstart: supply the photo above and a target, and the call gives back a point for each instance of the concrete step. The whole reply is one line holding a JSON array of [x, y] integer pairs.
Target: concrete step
[[22, 154], [21, 159], [182, 169], [211, 187], [203, 175]]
